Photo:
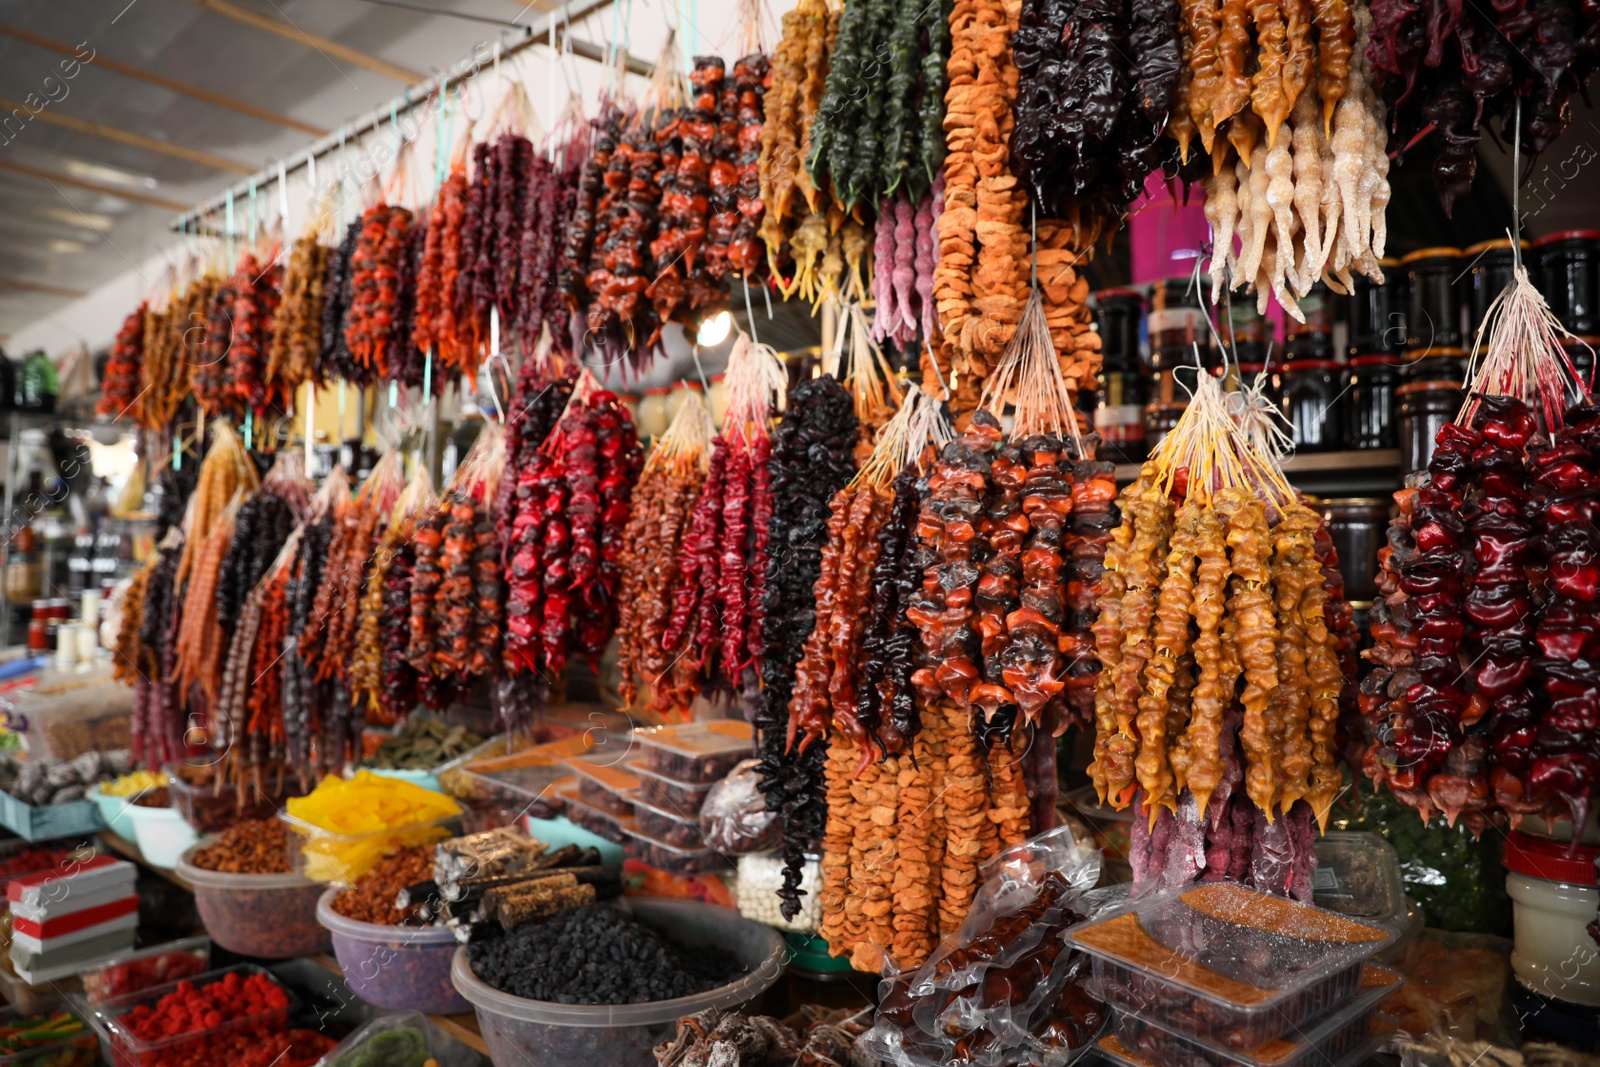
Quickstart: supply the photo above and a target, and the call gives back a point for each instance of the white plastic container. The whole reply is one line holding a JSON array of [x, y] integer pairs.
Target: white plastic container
[[161, 833], [536, 1033], [1555, 896], [114, 810]]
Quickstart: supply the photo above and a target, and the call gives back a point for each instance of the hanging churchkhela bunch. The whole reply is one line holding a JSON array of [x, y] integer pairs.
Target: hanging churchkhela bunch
[[119, 390], [547, 214], [1296, 139], [898, 870], [904, 255], [171, 351], [1447, 73], [569, 510], [1211, 579], [812, 459], [304, 696], [382, 680], [716, 617], [663, 504], [1514, 734], [297, 327]]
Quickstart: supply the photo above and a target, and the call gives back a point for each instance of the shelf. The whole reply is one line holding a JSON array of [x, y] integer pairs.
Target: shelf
[[1374, 472]]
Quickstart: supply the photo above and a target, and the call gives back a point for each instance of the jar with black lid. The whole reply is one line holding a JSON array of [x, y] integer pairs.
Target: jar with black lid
[[1424, 409], [1313, 405], [1358, 527], [1569, 266], [1244, 331], [1370, 402], [1435, 365], [1433, 299], [1119, 416], [1179, 331], [1377, 313], [1493, 268], [1313, 338], [1116, 314]]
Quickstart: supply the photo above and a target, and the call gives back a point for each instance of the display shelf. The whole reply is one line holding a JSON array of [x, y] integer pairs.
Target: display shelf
[[463, 1026], [1370, 472]]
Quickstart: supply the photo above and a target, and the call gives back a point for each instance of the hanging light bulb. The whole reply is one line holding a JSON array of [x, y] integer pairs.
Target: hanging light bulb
[[714, 331]]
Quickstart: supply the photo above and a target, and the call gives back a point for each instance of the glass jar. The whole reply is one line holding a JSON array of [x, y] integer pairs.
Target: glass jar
[[1117, 313], [1571, 278], [1119, 416], [1180, 335], [1436, 365], [1359, 527], [1424, 409], [1313, 405], [1377, 313], [1159, 419], [1552, 885], [1493, 269], [1244, 331], [1433, 299], [1313, 338], [1370, 401]]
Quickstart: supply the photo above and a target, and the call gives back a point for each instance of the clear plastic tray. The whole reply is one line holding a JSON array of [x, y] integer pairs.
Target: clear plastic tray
[[1358, 875], [697, 752], [667, 792], [680, 831], [614, 828], [210, 810], [403, 1050], [147, 967], [672, 859], [73, 1050], [65, 714], [1113, 1052], [1229, 965], [604, 786], [123, 1049], [325, 856], [1314, 1046]]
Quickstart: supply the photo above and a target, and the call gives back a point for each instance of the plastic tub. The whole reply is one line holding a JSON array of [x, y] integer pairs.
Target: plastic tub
[[535, 1033], [74, 1050], [162, 834], [114, 811], [669, 793], [672, 859], [403, 1049], [698, 752], [614, 828], [676, 830], [1231, 966], [67, 713], [209, 810], [123, 1049], [327, 856], [605, 787], [1328, 1040], [402, 968], [134, 972], [269, 916], [1553, 892]]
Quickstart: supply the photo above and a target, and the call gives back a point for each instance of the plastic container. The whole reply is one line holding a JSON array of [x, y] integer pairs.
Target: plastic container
[[535, 1033], [402, 968], [670, 793], [333, 857], [74, 1050], [65, 714], [696, 752], [1231, 966], [672, 859], [269, 916], [425, 779], [122, 1049], [114, 811], [605, 787], [1114, 1053], [403, 1049], [134, 972], [1358, 875], [614, 828], [162, 834], [1553, 892], [677, 830], [209, 810], [1328, 1040]]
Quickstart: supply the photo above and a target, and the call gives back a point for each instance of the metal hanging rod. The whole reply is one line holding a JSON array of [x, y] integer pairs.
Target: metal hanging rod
[[514, 40]]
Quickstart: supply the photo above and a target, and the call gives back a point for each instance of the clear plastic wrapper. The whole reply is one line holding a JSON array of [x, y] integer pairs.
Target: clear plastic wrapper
[[667, 792], [604, 787], [698, 752], [1008, 989], [735, 816]]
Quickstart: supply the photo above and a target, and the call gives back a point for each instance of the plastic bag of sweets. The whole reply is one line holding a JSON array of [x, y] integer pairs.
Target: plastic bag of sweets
[[734, 817], [1007, 989]]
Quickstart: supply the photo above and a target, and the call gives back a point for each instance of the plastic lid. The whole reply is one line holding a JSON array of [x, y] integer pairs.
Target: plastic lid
[[1429, 253], [1118, 294], [640, 768], [1313, 364], [1358, 875], [1435, 352], [1498, 242], [1568, 235], [809, 952], [1554, 861], [658, 390], [1429, 386], [1355, 501], [1379, 360], [720, 737], [605, 774]]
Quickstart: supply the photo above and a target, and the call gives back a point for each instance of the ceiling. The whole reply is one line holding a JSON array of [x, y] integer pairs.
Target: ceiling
[[90, 185]]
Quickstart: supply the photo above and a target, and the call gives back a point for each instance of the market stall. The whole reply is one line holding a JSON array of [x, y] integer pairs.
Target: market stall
[[1084, 642]]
